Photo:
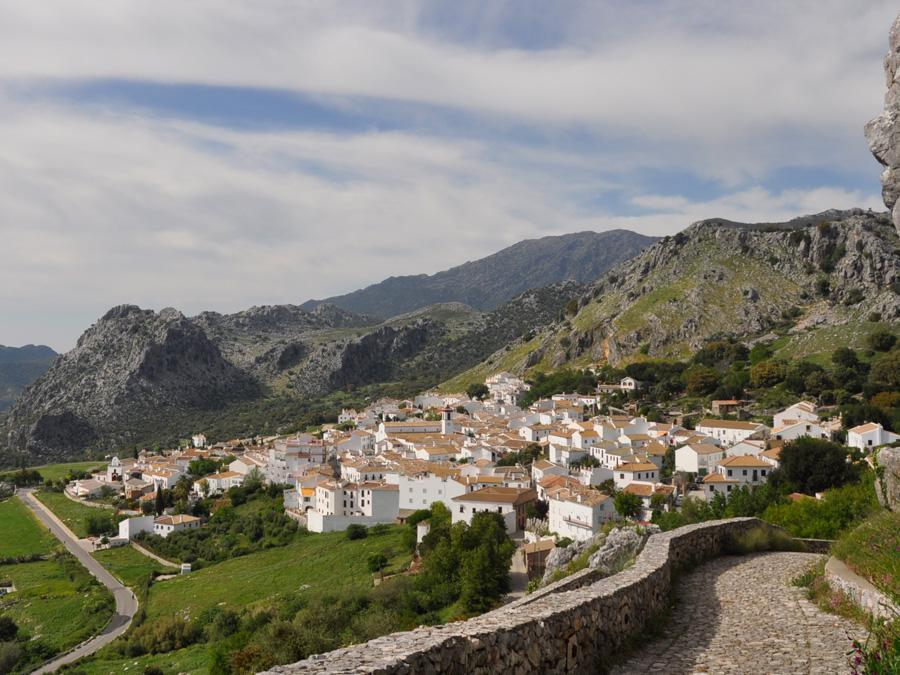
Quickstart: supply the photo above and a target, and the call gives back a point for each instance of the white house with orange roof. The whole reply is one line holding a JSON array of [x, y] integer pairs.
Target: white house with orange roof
[[802, 411], [578, 513], [339, 504], [510, 503], [630, 472], [699, 458], [746, 469], [717, 483], [166, 525], [869, 436]]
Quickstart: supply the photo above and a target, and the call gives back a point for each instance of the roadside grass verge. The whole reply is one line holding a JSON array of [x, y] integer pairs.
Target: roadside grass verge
[[872, 550], [129, 566]]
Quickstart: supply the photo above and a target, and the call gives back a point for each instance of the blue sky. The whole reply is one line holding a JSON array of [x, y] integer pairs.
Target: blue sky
[[204, 155]]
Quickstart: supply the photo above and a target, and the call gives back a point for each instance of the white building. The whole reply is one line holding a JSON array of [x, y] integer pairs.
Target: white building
[[579, 514], [799, 429], [217, 483], [746, 470], [804, 411], [131, 527], [870, 435], [730, 432], [698, 458], [624, 474], [508, 502], [339, 504], [166, 525], [421, 490]]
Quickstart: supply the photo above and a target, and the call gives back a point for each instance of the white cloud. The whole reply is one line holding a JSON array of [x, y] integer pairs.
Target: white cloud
[[100, 206]]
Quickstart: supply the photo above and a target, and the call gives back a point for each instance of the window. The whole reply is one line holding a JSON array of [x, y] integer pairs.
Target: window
[[729, 472], [622, 476], [462, 509], [763, 472], [745, 472]]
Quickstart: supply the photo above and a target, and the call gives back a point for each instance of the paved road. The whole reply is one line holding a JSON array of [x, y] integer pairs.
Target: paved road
[[741, 615], [126, 603]]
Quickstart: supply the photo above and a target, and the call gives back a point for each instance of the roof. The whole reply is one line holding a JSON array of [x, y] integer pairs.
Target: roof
[[705, 448], [866, 428], [639, 489], [717, 478], [729, 424], [637, 466], [539, 546], [499, 495], [744, 461], [180, 519]]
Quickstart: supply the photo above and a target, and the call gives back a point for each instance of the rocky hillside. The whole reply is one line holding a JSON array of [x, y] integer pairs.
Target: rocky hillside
[[487, 283], [807, 285], [19, 367], [137, 375]]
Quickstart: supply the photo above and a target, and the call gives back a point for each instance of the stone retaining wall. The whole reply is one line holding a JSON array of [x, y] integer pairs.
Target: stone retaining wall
[[859, 590], [571, 629]]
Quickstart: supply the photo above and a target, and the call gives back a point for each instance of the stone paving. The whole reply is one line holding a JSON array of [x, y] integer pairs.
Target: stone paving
[[742, 615]]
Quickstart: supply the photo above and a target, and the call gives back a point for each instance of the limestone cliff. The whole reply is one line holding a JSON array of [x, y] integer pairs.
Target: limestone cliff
[[883, 132]]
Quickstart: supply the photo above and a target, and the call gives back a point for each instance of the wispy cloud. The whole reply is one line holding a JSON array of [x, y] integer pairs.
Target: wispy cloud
[[398, 137]]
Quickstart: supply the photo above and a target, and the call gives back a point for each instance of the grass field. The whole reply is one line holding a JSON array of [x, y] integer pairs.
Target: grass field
[[129, 566], [312, 566], [57, 471], [73, 514], [20, 532], [57, 604], [191, 660], [872, 550]]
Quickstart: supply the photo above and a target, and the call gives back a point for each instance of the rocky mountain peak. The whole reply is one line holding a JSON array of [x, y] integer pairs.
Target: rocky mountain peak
[[883, 132]]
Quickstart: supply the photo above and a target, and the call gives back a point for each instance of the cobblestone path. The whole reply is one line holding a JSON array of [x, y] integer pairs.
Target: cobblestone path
[[742, 615]]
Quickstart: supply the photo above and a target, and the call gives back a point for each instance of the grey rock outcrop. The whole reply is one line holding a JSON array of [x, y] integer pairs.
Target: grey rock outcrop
[[887, 485], [613, 550], [883, 132]]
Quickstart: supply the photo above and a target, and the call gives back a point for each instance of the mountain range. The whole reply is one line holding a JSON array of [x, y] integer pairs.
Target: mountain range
[[806, 285], [487, 283], [140, 377]]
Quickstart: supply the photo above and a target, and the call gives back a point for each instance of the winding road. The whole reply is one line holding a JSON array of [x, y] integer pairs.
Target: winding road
[[741, 615], [126, 602]]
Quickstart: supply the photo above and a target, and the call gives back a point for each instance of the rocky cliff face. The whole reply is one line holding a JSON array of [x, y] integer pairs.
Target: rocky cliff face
[[139, 374], [132, 364], [883, 132], [817, 281]]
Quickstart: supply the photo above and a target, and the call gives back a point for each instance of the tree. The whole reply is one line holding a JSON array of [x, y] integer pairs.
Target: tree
[[8, 629], [881, 341], [628, 505], [377, 562], [160, 501], [700, 380], [767, 373], [814, 464], [477, 391]]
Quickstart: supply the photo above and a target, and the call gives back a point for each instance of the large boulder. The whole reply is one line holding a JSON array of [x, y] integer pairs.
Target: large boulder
[[883, 132], [887, 484]]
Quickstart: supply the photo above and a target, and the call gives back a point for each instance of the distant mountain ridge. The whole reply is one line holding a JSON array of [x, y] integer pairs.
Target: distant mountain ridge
[[19, 367], [487, 283]]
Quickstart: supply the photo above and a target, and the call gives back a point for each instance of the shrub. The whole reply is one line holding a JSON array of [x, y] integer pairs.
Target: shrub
[[165, 635], [881, 341], [8, 629], [761, 539], [357, 531]]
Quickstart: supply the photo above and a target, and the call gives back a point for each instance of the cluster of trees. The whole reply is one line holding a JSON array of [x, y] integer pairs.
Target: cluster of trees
[[230, 532], [526, 456], [565, 380]]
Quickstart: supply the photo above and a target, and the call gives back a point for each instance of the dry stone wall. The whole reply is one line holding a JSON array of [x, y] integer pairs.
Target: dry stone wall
[[571, 630]]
